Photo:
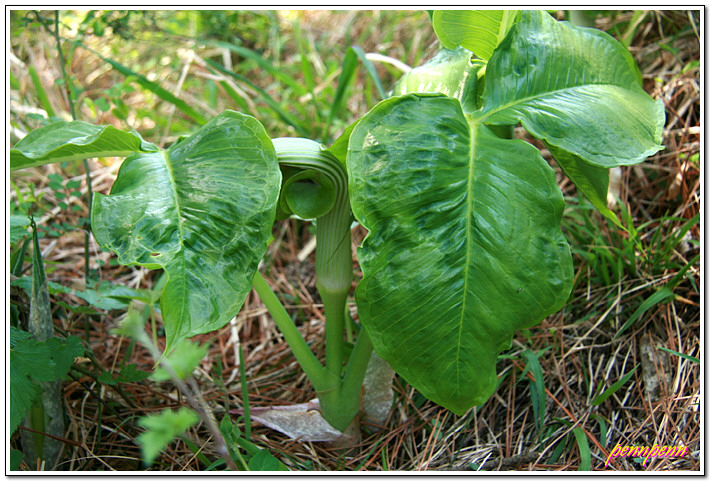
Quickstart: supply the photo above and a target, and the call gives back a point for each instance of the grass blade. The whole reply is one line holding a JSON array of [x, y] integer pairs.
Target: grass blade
[[680, 235], [614, 387], [655, 298], [41, 93], [602, 428], [155, 88], [306, 68], [538, 386], [684, 356], [371, 70], [347, 72], [585, 463], [264, 64], [268, 99], [307, 71], [681, 273], [236, 97]]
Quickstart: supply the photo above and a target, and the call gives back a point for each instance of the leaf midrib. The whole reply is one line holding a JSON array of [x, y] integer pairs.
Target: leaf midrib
[[181, 229], [467, 265], [549, 92]]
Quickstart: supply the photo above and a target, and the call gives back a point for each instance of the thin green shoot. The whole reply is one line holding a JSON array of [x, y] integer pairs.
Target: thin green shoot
[[657, 297], [41, 92], [614, 387], [537, 387], [151, 86], [263, 63], [680, 354], [585, 463], [298, 125], [245, 394]]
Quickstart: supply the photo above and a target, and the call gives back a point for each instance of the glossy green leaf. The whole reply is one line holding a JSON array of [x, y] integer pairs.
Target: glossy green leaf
[[479, 31], [577, 89], [464, 244], [449, 72], [62, 141], [591, 180], [203, 211]]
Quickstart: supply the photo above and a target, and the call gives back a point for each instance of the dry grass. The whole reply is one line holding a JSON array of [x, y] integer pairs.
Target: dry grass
[[578, 353]]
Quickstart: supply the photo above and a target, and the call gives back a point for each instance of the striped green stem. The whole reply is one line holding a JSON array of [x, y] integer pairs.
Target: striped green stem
[[334, 269], [340, 403]]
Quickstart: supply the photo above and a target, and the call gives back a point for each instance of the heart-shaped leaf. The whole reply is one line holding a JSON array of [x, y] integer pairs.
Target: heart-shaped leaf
[[577, 89], [62, 141], [203, 211], [464, 243]]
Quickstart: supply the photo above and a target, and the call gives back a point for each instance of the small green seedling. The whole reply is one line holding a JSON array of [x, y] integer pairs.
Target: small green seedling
[[464, 243]]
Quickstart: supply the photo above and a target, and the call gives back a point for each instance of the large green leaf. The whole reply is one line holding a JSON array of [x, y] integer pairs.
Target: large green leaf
[[203, 211], [577, 89], [479, 31], [449, 72], [62, 141], [464, 243]]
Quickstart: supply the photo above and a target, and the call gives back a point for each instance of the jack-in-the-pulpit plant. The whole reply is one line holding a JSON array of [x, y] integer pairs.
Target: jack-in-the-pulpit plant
[[464, 243]]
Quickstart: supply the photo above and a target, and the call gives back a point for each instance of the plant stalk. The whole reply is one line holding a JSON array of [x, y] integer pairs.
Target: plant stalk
[[194, 398], [322, 380], [87, 169], [333, 253], [340, 403], [60, 54]]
